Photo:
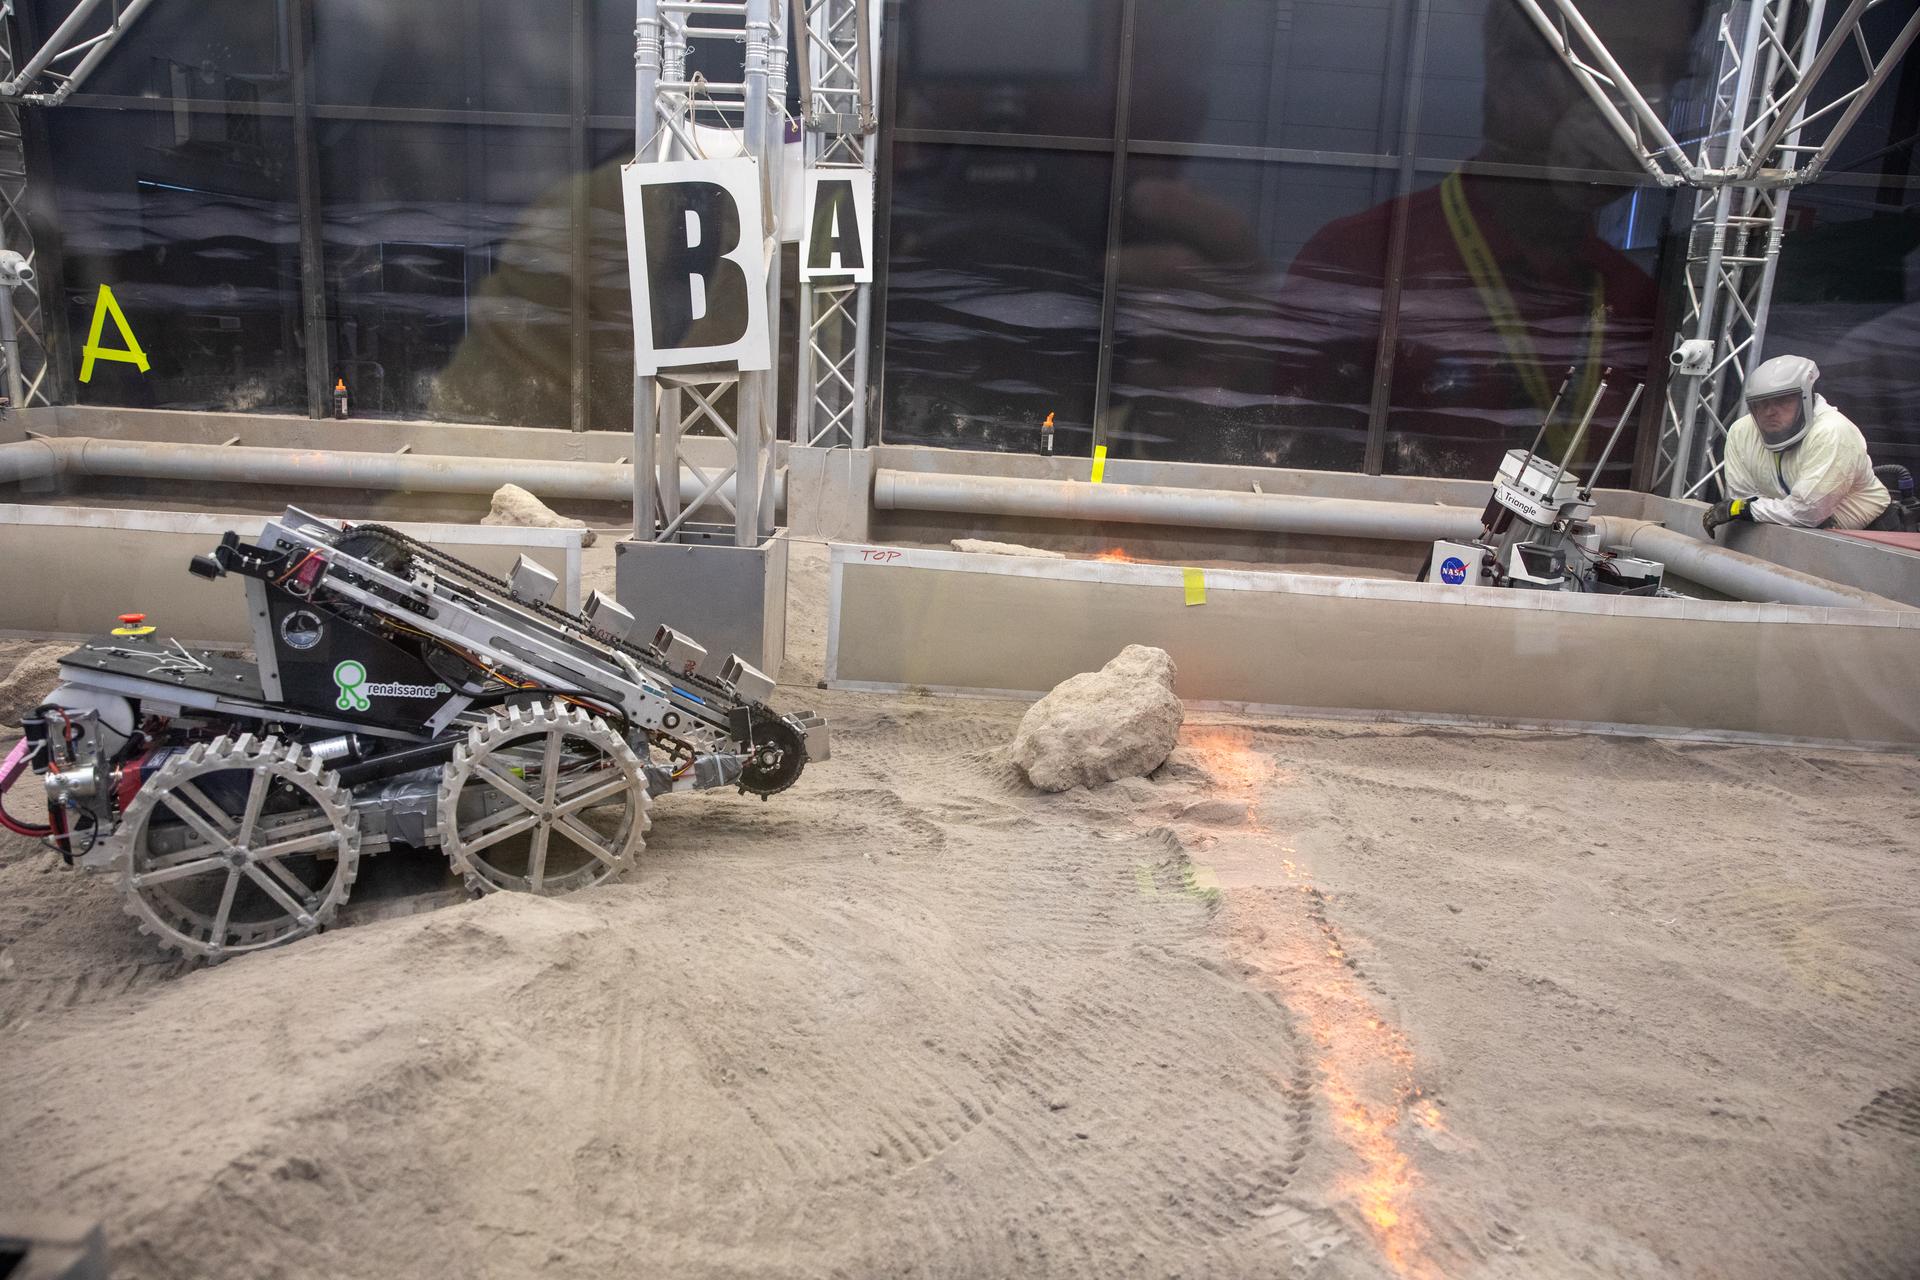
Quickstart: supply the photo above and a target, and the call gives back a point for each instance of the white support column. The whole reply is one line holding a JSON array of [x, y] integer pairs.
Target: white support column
[[837, 101], [683, 116], [22, 325]]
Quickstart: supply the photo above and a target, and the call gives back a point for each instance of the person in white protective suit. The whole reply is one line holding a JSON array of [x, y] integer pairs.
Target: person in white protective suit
[[1794, 459]]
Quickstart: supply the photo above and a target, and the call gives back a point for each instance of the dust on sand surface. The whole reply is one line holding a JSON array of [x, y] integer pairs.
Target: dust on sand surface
[[1326, 1000]]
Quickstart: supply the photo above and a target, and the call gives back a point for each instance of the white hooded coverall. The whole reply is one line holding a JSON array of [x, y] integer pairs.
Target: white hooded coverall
[[1827, 475]]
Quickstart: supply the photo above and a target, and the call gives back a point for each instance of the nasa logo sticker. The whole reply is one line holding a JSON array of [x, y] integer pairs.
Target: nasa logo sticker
[[1453, 571]]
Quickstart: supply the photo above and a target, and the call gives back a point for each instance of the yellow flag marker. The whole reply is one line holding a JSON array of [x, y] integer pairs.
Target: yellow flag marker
[[1196, 586], [1099, 462], [104, 307]]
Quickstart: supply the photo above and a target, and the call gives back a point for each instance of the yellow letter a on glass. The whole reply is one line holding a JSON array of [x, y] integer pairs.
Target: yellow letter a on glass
[[132, 355]]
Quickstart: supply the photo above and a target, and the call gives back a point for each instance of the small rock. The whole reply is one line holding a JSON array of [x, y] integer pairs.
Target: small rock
[[1118, 722], [1455, 907], [981, 546], [514, 506]]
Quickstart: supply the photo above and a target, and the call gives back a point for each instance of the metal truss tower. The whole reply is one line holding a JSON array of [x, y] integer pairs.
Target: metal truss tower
[[835, 64], [1771, 63], [23, 335], [678, 117]]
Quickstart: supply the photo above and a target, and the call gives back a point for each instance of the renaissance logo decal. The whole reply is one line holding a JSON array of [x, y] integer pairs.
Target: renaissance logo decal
[[351, 679], [1453, 571]]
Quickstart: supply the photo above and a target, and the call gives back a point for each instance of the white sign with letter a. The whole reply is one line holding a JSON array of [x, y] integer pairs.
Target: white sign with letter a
[[839, 226], [697, 264]]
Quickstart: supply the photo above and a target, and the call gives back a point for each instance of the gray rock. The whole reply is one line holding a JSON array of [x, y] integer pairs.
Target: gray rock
[[981, 546], [514, 506], [1118, 722]]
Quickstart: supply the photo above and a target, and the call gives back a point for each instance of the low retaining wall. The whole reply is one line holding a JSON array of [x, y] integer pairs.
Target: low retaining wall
[[69, 571], [1016, 626]]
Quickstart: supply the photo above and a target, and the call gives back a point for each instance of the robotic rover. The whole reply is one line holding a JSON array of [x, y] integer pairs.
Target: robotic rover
[[1537, 532], [396, 696]]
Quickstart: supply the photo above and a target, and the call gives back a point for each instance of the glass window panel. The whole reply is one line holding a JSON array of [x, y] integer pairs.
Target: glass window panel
[[220, 50], [1508, 283], [198, 240], [1008, 66], [1493, 89], [1266, 73], [449, 266], [1848, 295], [479, 55], [995, 267], [1228, 348]]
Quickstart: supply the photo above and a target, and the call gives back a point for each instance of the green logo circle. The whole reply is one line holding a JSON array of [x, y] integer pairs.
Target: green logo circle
[[349, 676]]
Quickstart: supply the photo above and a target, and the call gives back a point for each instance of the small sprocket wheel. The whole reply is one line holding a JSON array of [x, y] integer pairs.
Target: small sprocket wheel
[[542, 799], [778, 754], [237, 845]]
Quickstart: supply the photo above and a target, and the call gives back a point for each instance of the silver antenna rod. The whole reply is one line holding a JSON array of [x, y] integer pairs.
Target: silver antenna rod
[[1606, 453]]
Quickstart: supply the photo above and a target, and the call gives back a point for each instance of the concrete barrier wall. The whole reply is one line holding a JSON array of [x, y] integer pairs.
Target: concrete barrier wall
[[953, 622], [69, 571]]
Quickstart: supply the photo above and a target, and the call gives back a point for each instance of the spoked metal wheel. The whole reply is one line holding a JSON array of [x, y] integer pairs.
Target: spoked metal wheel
[[238, 845], [542, 800]]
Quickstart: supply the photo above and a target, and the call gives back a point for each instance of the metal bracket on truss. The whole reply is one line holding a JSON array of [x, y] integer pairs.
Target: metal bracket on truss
[[835, 43]]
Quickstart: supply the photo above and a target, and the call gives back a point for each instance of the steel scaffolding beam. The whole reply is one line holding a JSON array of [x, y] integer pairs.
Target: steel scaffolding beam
[[682, 116], [1783, 103], [835, 62], [23, 339], [1770, 66], [67, 42]]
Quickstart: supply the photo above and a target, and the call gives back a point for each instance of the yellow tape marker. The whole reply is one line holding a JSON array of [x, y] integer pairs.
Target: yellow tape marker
[[106, 306], [1196, 586], [1099, 462]]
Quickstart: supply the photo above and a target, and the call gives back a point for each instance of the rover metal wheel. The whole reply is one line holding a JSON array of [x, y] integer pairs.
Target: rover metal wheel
[[237, 845], [544, 800]]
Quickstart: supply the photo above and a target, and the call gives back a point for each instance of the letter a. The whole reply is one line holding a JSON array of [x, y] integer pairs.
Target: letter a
[[132, 355]]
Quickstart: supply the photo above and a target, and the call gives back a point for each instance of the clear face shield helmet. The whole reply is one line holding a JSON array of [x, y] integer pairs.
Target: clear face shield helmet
[[1776, 386]]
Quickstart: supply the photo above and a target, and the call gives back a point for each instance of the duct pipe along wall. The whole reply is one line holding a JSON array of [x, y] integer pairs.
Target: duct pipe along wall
[[1720, 569], [327, 469]]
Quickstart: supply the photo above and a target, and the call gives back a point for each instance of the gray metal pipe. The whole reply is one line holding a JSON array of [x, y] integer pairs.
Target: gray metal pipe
[[1717, 568], [1733, 573], [1154, 504], [326, 468]]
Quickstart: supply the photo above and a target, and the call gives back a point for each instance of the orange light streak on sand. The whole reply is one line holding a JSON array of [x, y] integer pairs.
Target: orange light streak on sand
[[1366, 1074], [1366, 1064], [1229, 757], [1116, 555]]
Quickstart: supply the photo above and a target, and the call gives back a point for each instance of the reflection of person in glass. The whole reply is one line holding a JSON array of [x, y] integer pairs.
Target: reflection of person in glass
[[1794, 459], [1509, 281]]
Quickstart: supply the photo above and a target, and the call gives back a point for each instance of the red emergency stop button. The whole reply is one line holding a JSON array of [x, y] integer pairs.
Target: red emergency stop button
[[133, 619]]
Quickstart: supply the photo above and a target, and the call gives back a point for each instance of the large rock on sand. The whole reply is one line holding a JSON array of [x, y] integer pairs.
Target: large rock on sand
[[514, 506], [1118, 722]]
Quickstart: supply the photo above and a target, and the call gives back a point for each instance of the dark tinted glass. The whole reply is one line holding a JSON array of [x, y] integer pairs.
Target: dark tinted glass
[[449, 266], [197, 239], [210, 50], [993, 310], [1267, 73], [1508, 283], [1223, 352], [1848, 295], [1493, 89], [481, 55], [1008, 66]]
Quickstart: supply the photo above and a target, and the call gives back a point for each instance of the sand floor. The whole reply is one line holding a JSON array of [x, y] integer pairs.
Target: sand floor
[[1316, 1000]]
